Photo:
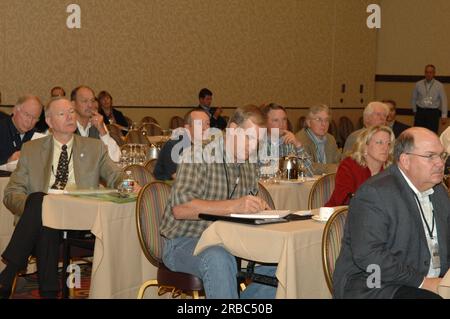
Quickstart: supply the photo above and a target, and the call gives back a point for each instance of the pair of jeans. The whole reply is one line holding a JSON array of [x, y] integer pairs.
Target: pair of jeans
[[215, 266]]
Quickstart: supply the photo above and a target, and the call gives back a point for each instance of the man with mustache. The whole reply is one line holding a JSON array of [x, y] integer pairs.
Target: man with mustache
[[396, 236]]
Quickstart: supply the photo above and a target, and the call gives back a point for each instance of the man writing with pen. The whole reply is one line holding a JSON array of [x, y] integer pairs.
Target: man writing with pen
[[220, 187], [89, 122]]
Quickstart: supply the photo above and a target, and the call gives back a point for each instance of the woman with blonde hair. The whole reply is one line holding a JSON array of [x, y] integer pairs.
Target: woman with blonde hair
[[372, 152]]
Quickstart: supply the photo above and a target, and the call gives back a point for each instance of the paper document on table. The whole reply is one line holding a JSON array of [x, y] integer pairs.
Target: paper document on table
[[266, 214], [90, 191]]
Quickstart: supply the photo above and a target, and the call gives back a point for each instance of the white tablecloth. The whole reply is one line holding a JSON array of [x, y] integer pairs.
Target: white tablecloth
[[119, 266], [287, 195]]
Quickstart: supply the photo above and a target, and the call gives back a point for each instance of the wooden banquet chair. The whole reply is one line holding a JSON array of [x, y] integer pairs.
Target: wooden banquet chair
[[331, 243], [150, 207], [321, 191]]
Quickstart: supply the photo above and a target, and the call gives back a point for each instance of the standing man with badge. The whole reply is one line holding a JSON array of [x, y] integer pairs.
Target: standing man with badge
[[429, 101]]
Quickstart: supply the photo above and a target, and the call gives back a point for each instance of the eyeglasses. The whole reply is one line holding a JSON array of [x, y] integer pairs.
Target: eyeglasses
[[433, 157], [320, 120]]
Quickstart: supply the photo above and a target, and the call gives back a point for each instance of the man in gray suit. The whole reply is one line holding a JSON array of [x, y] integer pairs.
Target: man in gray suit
[[42, 167], [396, 237]]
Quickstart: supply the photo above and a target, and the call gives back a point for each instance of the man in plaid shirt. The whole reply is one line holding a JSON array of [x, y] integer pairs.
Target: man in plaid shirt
[[222, 187], [287, 144]]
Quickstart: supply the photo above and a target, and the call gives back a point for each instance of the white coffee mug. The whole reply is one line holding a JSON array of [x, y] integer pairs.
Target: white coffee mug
[[325, 212]]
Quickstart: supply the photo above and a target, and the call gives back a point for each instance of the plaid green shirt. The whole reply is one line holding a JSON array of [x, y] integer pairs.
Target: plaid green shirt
[[205, 182]]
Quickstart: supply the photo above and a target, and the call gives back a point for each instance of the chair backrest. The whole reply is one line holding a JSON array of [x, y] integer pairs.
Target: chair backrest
[[151, 129], [151, 202], [148, 119], [321, 191], [116, 134], [333, 130], [301, 122], [140, 174], [135, 137], [345, 128], [331, 243], [264, 194], [150, 165], [176, 122]]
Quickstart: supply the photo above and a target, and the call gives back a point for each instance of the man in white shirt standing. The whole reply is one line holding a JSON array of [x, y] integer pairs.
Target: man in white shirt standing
[[90, 122], [429, 101]]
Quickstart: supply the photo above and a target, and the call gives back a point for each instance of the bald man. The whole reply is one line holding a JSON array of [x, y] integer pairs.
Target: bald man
[[19, 127], [396, 236]]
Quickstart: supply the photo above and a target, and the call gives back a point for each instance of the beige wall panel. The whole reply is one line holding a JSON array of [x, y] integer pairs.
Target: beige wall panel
[[355, 49], [161, 52], [413, 34]]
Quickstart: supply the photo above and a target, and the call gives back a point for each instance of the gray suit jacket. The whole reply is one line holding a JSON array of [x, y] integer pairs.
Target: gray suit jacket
[[90, 163], [384, 227], [332, 152]]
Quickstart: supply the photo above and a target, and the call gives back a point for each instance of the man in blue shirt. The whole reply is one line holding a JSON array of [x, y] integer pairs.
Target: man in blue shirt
[[166, 166], [429, 101]]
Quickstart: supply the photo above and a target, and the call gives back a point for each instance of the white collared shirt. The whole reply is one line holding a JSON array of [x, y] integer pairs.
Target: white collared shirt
[[111, 145], [57, 147], [427, 207]]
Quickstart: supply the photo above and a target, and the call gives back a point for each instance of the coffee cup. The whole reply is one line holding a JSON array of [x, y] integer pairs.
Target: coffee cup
[[325, 212]]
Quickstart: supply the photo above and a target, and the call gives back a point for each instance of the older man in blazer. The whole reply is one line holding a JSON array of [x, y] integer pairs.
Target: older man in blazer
[[39, 170], [396, 237]]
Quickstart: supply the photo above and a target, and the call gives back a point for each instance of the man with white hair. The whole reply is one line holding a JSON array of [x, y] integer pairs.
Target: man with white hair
[[18, 128], [375, 113]]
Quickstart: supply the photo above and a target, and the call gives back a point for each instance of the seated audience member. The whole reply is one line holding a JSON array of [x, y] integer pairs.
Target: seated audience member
[[58, 161], [42, 126], [396, 238], [209, 187], [318, 142], [110, 114], [19, 127], [372, 153], [166, 166], [287, 143], [205, 100], [396, 126], [90, 122], [375, 113]]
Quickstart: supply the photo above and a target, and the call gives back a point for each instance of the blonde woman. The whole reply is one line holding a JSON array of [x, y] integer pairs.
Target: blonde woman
[[371, 153]]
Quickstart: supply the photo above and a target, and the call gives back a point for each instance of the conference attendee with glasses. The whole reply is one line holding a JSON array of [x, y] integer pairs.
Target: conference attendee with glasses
[[53, 163], [19, 127], [318, 142], [396, 238]]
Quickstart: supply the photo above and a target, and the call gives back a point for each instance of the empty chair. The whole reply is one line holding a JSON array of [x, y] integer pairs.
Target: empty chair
[[151, 129], [331, 243], [140, 174], [135, 137], [345, 128], [301, 122], [148, 119], [151, 202], [150, 165], [116, 134], [176, 122], [264, 194], [333, 130], [321, 191]]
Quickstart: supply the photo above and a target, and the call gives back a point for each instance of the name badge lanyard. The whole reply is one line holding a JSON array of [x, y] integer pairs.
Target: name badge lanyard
[[428, 88], [430, 231]]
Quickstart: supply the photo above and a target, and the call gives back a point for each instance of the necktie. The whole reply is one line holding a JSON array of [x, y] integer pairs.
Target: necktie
[[62, 172]]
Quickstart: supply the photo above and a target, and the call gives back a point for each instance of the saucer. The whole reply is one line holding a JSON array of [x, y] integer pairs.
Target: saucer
[[318, 219]]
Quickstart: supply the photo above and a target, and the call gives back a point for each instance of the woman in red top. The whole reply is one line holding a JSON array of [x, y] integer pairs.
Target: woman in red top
[[372, 153]]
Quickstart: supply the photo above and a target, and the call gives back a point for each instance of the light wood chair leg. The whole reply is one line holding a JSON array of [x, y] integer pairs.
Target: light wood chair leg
[[144, 286]]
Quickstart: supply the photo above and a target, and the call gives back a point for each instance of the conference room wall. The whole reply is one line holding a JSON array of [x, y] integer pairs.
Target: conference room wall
[[160, 53], [413, 33]]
